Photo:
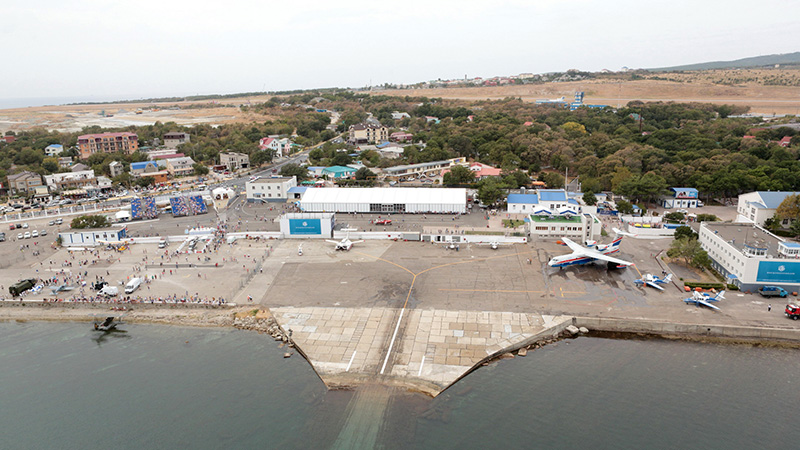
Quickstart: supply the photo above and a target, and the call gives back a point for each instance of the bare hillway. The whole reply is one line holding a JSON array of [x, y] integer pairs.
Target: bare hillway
[[760, 98]]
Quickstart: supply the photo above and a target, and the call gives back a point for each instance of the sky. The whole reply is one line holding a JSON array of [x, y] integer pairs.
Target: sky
[[102, 50]]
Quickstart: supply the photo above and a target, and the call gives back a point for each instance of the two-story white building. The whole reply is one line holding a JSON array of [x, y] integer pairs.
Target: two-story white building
[[274, 189], [758, 206]]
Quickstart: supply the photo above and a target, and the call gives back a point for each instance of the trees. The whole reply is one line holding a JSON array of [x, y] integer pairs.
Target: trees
[[624, 207], [294, 170], [90, 221], [684, 232], [364, 174], [458, 175], [589, 198], [200, 169], [675, 216], [490, 190], [685, 248], [789, 208], [707, 218], [553, 180]]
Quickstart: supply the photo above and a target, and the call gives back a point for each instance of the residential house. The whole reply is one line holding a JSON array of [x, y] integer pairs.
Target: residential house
[[785, 141], [53, 149], [174, 139], [169, 153], [115, 168], [234, 161], [64, 161], [480, 170], [180, 166], [24, 182], [89, 144], [367, 133], [758, 206], [338, 172], [140, 168], [8, 139], [71, 183], [79, 167], [315, 171], [271, 143], [429, 169], [275, 189], [401, 136]]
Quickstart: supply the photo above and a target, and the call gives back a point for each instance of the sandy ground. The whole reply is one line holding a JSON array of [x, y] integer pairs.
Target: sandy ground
[[761, 99]]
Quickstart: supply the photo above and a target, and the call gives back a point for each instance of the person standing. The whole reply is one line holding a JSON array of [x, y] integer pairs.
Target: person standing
[[769, 307]]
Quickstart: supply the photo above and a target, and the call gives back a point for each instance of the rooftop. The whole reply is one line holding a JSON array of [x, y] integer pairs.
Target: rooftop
[[530, 199], [743, 236], [271, 180], [552, 195], [555, 219]]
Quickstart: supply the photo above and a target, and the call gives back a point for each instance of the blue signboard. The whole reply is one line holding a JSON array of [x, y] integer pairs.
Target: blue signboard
[[305, 226], [778, 272]]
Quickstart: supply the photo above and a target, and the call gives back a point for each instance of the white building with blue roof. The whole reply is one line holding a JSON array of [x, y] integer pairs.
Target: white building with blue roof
[[551, 213], [53, 149], [756, 207], [681, 198]]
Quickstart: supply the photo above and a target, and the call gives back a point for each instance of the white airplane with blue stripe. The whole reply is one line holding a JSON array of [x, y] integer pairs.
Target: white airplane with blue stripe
[[701, 299], [589, 254], [654, 281]]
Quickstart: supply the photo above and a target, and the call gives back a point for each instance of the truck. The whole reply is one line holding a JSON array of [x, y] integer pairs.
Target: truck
[[772, 291], [792, 311], [22, 286], [109, 291], [133, 285]]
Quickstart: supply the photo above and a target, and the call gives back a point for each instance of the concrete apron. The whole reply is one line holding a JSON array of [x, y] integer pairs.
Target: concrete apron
[[421, 350]]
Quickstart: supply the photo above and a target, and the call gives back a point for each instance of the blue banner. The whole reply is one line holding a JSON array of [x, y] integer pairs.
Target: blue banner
[[305, 226], [778, 272]]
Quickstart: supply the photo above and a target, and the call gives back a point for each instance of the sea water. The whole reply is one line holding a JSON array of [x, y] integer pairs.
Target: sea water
[[64, 386]]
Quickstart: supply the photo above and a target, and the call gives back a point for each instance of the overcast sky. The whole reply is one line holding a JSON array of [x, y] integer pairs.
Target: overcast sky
[[101, 49]]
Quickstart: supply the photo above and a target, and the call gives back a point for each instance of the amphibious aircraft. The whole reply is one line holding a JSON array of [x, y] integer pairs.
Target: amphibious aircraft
[[701, 299], [345, 244], [654, 281], [589, 254]]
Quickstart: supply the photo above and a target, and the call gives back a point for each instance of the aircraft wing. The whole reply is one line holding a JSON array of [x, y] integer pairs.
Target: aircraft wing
[[573, 246], [705, 303], [654, 285], [332, 242], [357, 242], [587, 252]]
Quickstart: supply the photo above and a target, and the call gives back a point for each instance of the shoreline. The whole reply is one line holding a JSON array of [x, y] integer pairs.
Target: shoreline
[[260, 319]]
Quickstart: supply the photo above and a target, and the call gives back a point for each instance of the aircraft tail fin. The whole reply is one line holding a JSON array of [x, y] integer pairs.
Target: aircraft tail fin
[[668, 278]]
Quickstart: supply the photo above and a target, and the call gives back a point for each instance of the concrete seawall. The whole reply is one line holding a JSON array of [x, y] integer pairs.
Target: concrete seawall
[[688, 329]]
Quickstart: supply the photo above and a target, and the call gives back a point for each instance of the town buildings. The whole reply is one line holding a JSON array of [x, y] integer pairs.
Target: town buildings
[[680, 198], [89, 144], [115, 168], [24, 182], [367, 133], [175, 138], [234, 161], [53, 149], [178, 167], [77, 182]]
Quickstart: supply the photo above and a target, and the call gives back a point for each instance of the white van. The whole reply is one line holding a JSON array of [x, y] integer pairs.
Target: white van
[[109, 291], [133, 285]]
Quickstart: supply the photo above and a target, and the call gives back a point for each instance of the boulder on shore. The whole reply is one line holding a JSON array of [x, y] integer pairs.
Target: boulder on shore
[[583, 330], [573, 330]]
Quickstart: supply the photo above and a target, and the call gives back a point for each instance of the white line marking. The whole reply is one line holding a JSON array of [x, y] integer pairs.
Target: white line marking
[[391, 344], [420, 366], [351, 361]]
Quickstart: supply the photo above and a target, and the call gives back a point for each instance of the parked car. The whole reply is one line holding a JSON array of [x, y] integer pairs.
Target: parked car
[[11, 226], [25, 225], [59, 221], [27, 235], [35, 234], [43, 233], [383, 222], [18, 226], [2, 237], [51, 223], [20, 236]]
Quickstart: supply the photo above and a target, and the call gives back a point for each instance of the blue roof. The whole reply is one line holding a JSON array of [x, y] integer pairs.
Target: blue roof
[[772, 200], [338, 169], [316, 167], [382, 144], [142, 165], [791, 244], [55, 146], [297, 190], [530, 199], [553, 195], [572, 201]]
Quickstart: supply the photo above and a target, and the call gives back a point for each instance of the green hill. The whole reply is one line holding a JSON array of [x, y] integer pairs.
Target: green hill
[[755, 61]]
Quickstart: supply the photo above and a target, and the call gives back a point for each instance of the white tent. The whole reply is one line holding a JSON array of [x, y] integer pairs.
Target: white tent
[[221, 192], [122, 216], [385, 200]]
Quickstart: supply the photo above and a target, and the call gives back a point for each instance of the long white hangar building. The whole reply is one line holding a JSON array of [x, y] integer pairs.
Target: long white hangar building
[[385, 200]]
